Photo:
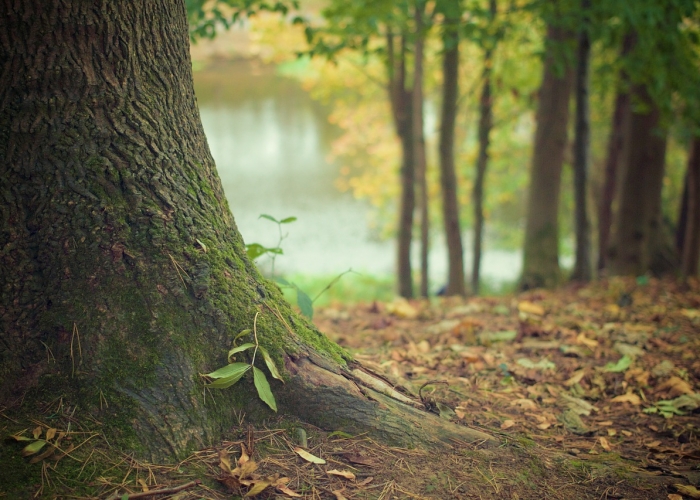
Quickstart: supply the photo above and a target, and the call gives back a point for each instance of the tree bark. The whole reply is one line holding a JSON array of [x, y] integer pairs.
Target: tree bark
[[637, 227], [448, 178], [541, 253], [485, 126], [419, 146], [691, 241], [401, 107], [582, 267], [119, 259], [616, 144]]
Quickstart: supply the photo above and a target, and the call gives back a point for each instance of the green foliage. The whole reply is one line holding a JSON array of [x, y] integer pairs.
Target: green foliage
[[205, 16], [233, 372]]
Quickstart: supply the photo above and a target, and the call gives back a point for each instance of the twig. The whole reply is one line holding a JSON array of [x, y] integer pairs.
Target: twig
[[164, 491]]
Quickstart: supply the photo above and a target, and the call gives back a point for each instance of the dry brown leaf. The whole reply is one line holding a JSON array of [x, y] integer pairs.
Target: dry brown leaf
[[590, 343], [630, 397], [144, 485], [530, 308], [258, 487], [339, 494], [604, 444], [50, 433], [342, 473], [402, 309], [460, 412], [544, 426], [686, 489], [576, 378], [507, 424], [284, 489], [308, 456], [673, 496], [675, 386], [652, 444], [244, 455], [224, 461], [36, 432], [626, 433], [524, 403], [365, 482]]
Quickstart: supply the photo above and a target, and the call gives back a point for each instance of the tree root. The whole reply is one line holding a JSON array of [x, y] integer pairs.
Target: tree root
[[357, 401]]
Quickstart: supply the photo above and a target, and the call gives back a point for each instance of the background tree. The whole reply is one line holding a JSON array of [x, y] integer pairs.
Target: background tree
[[582, 132], [119, 255], [448, 179], [541, 250]]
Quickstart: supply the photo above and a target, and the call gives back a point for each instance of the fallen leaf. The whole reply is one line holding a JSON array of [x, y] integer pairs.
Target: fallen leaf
[[339, 495], [224, 461], [258, 487], [576, 378], [630, 397], [507, 424], [676, 386], [604, 444], [530, 308], [144, 486], [36, 432], [50, 433], [284, 489], [526, 404], [688, 490], [308, 456], [365, 481], [590, 343], [401, 308], [244, 456], [544, 426], [342, 473], [673, 496]]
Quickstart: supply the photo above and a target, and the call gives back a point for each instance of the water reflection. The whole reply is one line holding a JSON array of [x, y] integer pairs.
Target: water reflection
[[270, 142]]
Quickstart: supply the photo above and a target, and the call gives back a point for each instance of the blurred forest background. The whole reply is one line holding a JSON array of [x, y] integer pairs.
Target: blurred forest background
[[495, 143]]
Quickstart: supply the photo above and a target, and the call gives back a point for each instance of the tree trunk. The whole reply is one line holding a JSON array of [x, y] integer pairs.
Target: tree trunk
[[616, 143], [582, 266], [448, 178], [691, 241], [541, 253], [485, 126], [637, 227], [401, 107], [615, 150], [119, 259], [419, 147]]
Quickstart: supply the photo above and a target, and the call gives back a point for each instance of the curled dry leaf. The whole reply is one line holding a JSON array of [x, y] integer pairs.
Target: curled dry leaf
[[342, 473], [290, 493], [308, 456], [630, 397], [257, 488], [507, 424], [604, 444], [339, 495]]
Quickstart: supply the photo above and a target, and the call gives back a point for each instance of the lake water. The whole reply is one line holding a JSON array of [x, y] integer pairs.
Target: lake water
[[270, 141]]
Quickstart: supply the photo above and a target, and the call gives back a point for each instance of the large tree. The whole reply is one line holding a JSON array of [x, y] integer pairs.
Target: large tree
[[122, 274]]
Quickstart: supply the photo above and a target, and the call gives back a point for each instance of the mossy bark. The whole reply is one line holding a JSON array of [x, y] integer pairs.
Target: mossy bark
[[122, 274]]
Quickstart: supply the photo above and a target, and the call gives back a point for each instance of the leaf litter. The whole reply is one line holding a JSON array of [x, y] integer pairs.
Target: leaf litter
[[592, 399]]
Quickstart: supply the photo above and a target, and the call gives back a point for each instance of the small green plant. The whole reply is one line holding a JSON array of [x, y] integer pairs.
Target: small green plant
[[256, 250], [233, 372]]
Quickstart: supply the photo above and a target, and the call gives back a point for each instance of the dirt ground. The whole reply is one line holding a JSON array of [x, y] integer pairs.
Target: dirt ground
[[593, 392]]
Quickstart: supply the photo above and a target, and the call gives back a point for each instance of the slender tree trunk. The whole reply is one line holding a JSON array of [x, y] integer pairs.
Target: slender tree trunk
[[615, 150], [637, 226], [401, 106], [541, 255], [485, 125], [448, 178], [119, 259], [616, 144], [582, 267], [419, 147], [691, 241]]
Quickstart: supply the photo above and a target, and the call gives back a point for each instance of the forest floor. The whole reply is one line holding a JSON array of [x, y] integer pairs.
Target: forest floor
[[593, 391]]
